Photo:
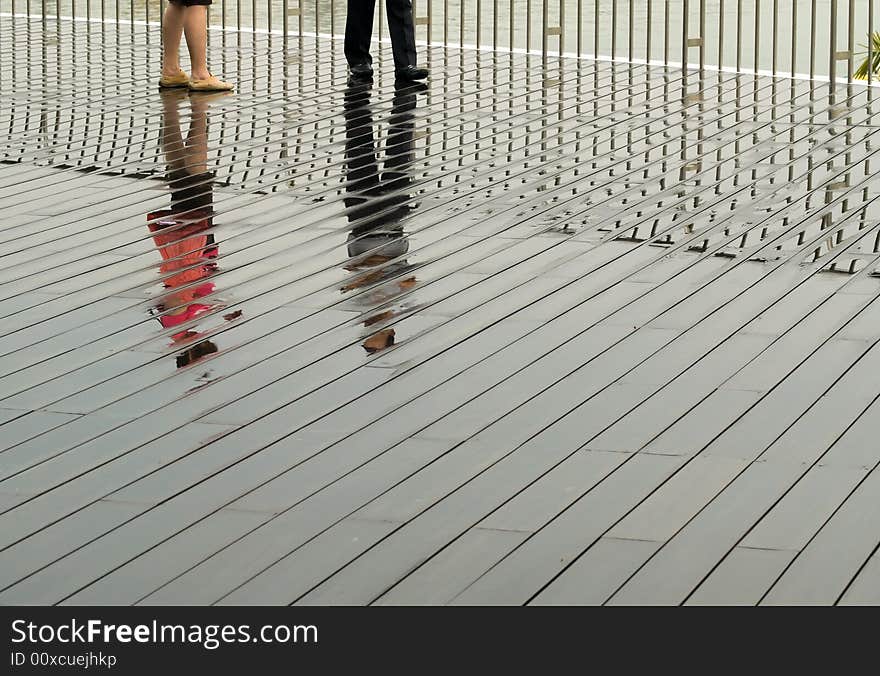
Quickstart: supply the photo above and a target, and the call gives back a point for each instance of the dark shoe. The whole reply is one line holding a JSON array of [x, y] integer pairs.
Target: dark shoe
[[411, 73], [361, 71], [358, 89]]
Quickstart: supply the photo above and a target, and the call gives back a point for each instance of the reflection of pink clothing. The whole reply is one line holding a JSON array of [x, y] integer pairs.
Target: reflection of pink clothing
[[187, 249], [193, 310], [188, 254]]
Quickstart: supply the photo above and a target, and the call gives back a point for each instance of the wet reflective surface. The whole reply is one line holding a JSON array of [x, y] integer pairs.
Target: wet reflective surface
[[571, 332]]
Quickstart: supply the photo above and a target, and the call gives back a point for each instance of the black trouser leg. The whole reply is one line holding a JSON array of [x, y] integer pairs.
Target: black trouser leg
[[359, 31], [403, 32], [400, 145], [361, 164]]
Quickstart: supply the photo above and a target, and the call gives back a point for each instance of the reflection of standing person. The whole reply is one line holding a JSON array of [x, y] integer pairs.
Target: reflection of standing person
[[376, 205], [184, 233], [359, 33], [188, 17]]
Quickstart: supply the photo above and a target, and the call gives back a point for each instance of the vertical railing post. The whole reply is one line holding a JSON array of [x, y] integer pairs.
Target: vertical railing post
[[495, 25], [794, 41], [479, 23], [813, 40], [666, 33], [207, 31], [381, 26], [851, 47], [580, 28], [285, 42], [613, 29], [547, 32], [631, 33], [832, 52], [73, 27], [703, 37], [161, 22], [545, 28], [739, 32], [461, 29], [424, 20], [561, 29], [690, 42], [685, 32], [529, 25], [512, 28], [870, 47]]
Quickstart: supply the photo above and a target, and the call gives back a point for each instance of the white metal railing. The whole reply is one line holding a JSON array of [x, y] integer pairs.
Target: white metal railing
[[810, 38]]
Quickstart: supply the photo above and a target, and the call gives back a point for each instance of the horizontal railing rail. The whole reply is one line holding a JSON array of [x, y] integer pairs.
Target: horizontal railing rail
[[819, 39]]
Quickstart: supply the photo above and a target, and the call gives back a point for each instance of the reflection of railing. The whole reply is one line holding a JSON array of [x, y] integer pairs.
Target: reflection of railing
[[818, 38]]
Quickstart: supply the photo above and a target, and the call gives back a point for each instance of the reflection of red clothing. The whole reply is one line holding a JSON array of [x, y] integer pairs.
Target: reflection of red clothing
[[188, 255]]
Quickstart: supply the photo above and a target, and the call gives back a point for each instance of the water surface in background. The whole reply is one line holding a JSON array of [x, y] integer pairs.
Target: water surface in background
[[657, 24]]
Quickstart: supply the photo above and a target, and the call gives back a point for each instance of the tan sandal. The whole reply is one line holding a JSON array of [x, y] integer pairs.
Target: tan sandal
[[211, 84], [179, 79]]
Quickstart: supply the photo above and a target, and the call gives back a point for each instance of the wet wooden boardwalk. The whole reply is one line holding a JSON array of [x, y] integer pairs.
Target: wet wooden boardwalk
[[563, 333]]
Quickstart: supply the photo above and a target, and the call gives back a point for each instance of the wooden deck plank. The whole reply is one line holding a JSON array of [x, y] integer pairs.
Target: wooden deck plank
[[679, 566], [742, 577], [662, 514], [802, 510], [21, 426], [521, 575], [227, 561], [865, 589], [593, 577], [478, 497], [823, 569], [760, 426], [676, 569], [449, 572]]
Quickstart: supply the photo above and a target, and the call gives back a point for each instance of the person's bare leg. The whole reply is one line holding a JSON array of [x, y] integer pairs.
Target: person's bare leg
[[172, 32], [195, 26], [197, 137], [172, 139]]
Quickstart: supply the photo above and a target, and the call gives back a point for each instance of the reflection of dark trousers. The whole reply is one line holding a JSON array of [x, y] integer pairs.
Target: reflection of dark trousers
[[375, 201], [359, 31]]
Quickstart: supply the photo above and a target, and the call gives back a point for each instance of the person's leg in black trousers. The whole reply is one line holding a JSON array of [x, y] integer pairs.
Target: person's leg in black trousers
[[403, 32], [358, 33], [401, 25]]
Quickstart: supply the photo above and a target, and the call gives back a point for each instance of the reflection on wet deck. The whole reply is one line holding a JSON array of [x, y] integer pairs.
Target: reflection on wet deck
[[574, 332]]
